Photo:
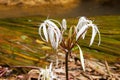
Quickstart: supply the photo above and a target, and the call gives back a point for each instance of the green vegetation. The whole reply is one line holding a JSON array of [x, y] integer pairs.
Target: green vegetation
[[20, 43]]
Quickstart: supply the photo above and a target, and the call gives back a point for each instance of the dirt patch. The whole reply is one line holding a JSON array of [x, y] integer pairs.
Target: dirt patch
[[95, 70]]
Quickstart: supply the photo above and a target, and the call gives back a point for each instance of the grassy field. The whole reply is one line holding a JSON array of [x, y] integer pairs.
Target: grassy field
[[20, 43]]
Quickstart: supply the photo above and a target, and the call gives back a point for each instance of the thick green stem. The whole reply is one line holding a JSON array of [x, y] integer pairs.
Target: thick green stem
[[66, 64]]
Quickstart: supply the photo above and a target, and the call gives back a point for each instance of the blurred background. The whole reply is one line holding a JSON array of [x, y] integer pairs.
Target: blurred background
[[20, 43], [59, 8]]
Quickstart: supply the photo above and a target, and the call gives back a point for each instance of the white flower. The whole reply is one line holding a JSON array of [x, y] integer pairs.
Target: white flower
[[47, 73], [51, 33], [81, 29]]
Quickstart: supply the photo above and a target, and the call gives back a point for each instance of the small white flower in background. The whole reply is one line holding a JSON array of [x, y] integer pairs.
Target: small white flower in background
[[47, 74]]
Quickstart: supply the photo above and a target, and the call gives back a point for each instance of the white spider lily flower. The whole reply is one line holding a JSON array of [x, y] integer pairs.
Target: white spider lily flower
[[82, 22], [54, 26], [81, 58], [51, 33], [81, 32], [81, 29]]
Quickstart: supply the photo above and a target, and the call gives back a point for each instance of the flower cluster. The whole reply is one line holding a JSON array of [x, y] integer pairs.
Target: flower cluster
[[52, 31]]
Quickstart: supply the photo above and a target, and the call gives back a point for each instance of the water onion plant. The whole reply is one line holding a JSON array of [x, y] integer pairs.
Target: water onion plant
[[56, 33]]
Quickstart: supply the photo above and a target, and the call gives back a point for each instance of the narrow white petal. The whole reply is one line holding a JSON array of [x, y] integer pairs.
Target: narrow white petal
[[81, 31], [81, 58], [52, 24], [78, 26], [45, 32], [57, 22], [51, 36], [40, 33], [93, 34], [50, 67], [56, 39], [49, 22], [58, 32], [83, 36], [99, 36], [82, 21]]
